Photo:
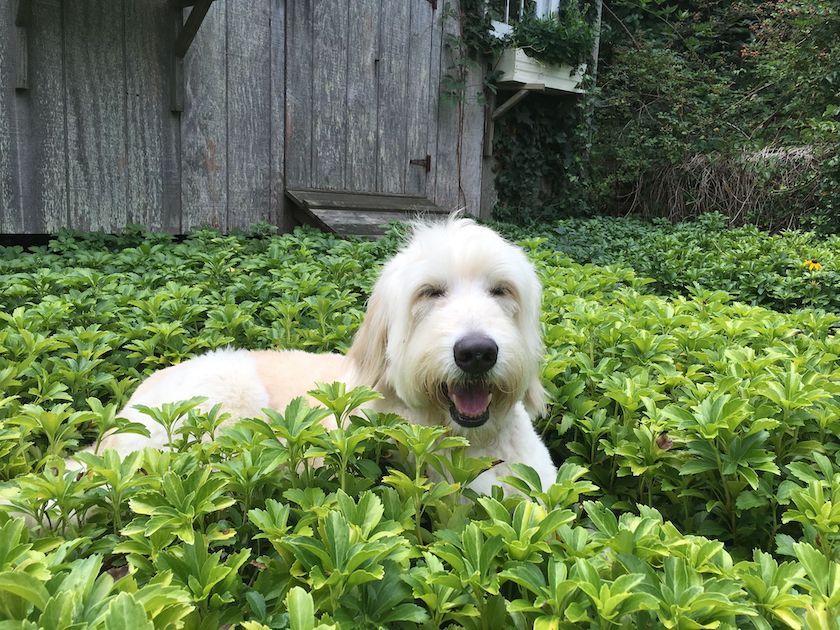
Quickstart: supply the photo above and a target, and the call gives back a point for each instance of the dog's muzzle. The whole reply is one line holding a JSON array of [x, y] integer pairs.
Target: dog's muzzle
[[469, 399]]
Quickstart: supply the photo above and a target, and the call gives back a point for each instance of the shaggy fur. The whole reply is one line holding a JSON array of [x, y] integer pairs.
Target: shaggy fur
[[453, 281]]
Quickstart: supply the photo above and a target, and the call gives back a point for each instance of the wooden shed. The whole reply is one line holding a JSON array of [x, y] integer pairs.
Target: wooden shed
[[111, 114]]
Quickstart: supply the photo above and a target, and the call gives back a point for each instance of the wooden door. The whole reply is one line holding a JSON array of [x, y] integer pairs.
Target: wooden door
[[361, 94]]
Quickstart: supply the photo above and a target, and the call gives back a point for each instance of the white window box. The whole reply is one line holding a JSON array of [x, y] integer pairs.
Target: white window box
[[517, 69]]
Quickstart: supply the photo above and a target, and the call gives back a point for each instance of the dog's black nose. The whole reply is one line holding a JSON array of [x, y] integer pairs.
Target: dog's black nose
[[476, 353]]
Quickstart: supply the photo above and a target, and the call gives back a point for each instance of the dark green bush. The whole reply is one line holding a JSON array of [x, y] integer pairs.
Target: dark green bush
[[719, 106], [539, 174]]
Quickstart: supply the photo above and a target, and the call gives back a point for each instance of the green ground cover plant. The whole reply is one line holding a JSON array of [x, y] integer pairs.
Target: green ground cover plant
[[783, 271], [699, 481]]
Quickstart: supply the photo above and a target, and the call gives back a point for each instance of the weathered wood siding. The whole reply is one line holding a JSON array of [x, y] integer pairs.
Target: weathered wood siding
[[334, 94], [365, 98]]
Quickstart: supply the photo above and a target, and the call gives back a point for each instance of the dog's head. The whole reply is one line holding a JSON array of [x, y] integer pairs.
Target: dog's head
[[453, 326]]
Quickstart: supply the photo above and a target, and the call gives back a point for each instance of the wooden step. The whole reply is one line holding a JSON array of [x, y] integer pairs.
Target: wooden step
[[359, 214]]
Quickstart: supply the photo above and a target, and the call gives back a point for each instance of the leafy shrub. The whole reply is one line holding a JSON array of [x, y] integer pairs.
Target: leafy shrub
[[783, 271], [538, 134], [657, 107], [674, 138], [690, 417], [695, 95]]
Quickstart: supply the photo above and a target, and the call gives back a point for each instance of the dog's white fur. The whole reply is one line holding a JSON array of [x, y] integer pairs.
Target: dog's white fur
[[404, 349]]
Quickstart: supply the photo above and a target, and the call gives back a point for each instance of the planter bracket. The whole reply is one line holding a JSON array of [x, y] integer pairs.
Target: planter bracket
[[520, 94], [184, 35]]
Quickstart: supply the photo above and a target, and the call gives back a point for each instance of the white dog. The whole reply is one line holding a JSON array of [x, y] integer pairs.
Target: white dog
[[451, 337]]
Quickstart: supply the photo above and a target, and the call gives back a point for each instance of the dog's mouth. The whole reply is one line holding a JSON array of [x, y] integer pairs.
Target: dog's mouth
[[469, 402]]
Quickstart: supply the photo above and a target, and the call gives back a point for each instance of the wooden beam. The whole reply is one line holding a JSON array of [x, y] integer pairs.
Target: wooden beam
[[524, 90], [347, 200], [176, 70], [23, 14], [188, 33], [508, 104], [23, 19], [489, 125], [22, 55]]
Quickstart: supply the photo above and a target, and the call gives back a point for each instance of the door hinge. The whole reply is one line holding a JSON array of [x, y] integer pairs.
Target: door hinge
[[425, 162]]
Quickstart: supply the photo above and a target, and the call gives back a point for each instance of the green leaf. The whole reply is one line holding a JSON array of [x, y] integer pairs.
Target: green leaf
[[601, 517], [125, 612], [24, 586], [301, 609]]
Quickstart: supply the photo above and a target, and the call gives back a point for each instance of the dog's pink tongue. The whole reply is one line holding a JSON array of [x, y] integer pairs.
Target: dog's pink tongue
[[471, 399]]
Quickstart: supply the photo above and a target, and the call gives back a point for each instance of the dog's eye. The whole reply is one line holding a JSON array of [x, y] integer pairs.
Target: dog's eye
[[500, 290], [432, 292]]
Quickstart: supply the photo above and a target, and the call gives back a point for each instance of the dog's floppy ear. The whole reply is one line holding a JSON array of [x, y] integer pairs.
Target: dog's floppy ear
[[369, 347], [535, 394], [535, 398]]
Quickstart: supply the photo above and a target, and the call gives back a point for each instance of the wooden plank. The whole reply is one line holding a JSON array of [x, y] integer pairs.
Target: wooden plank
[[154, 178], [472, 136], [358, 223], [329, 92], [362, 217], [42, 118], [249, 111], [510, 102], [204, 127], [278, 214], [488, 195], [489, 125], [394, 24], [360, 201], [447, 179], [359, 213], [95, 93], [10, 206], [418, 81], [435, 51], [22, 52], [362, 85], [305, 217], [176, 70], [364, 223], [299, 68], [23, 19]]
